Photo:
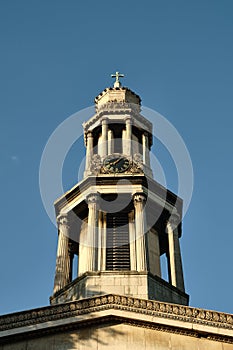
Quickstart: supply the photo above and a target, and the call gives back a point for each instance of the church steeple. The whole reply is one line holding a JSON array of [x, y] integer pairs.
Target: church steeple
[[118, 220]]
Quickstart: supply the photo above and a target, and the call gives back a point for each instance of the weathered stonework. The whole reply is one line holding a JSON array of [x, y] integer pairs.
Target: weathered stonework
[[183, 325], [138, 284]]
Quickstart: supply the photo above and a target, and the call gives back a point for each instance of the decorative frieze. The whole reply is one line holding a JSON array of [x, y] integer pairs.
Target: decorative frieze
[[111, 301], [115, 106], [95, 164]]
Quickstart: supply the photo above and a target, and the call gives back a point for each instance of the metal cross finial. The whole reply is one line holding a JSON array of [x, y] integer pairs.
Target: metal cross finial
[[117, 75]]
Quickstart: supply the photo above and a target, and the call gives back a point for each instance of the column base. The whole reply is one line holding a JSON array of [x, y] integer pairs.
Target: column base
[[130, 283]]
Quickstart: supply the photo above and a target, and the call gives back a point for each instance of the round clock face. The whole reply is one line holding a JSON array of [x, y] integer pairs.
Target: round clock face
[[116, 163]]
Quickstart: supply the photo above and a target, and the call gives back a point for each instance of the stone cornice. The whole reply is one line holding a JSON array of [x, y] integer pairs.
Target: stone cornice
[[154, 186], [122, 88], [162, 313], [118, 109]]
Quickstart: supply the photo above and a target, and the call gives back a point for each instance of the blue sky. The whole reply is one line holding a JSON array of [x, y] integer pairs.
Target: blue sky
[[56, 56]]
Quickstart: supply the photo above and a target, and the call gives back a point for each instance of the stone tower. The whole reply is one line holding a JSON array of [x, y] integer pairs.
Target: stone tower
[[118, 220]]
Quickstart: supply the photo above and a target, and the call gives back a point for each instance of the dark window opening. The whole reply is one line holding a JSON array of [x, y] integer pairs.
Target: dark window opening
[[117, 136], [118, 146], [117, 254]]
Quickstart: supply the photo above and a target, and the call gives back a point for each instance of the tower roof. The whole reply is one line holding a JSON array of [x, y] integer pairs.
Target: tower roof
[[117, 95]]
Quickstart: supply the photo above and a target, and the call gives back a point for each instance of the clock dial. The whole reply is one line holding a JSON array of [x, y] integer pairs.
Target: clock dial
[[116, 163]]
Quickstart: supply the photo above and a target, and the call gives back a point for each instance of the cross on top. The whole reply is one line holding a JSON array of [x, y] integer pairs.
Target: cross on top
[[117, 75]]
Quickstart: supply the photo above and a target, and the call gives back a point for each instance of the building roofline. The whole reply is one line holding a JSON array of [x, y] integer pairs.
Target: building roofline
[[154, 314]]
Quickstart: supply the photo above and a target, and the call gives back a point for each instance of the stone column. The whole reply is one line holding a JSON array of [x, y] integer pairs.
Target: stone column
[[71, 257], [168, 267], [140, 231], [63, 263], [100, 230], [82, 259], [104, 136], [176, 270], [123, 140], [153, 252], [92, 231], [110, 142], [89, 152], [132, 243], [104, 240], [145, 149], [128, 148]]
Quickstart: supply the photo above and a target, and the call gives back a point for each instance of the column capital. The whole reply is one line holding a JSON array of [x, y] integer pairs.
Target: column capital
[[139, 198], [89, 133], [62, 220], [92, 198], [104, 120], [128, 119], [174, 221]]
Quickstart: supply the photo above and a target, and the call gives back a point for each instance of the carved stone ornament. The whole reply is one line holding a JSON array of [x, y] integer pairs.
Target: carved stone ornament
[[159, 310], [95, 164], [62, 220], [92, 198], [139, 198], [138, 159], [103, 170], [123, 107], [137, 165]]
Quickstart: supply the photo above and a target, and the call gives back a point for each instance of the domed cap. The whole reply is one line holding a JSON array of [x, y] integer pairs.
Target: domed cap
[[117, 94]]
